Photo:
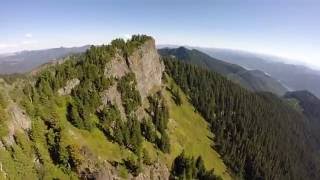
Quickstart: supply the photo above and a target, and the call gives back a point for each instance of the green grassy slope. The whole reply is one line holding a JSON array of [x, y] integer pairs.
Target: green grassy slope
[[189, 131], [94, 139]]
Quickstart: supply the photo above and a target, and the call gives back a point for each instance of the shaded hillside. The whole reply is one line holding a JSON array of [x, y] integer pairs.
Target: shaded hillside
[[258, 134], [309, 105], [252, 80], [25, 61], [309, 102], [295, 77]]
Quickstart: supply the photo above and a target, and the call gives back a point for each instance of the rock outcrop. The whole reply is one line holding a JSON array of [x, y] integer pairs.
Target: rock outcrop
[[69, 86], [117, 68], [145, 63], [157, 171], [19, 121], [112, 96]]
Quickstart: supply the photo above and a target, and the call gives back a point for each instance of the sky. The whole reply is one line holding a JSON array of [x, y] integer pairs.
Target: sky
[[286, 28]]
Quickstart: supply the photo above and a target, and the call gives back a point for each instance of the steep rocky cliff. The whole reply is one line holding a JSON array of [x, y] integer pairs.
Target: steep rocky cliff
[[144, 62], [148, 68]]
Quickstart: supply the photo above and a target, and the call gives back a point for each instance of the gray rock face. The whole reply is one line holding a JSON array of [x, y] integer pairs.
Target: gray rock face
[[19, 117], [117, 68], [157, 171], [114, 97], [19, 121], [69, 86], [145, 63]]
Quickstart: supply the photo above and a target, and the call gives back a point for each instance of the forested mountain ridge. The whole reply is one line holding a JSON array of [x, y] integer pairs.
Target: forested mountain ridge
[[258, 135], [103, 114], [251, 79]]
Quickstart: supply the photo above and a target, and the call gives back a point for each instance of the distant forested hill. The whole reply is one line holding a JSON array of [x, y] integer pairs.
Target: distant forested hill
[[254, 80]]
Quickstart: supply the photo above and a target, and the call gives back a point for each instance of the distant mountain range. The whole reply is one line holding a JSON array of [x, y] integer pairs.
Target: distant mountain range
[[254, 80], [294, 77], [25, 61]]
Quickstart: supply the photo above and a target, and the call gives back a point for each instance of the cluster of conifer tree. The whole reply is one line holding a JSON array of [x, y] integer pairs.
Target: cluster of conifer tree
[[184, 167], [3, 116], [130, 97], [175, 95], [126, 133], [258, 136], [160, 116], [48, 134]]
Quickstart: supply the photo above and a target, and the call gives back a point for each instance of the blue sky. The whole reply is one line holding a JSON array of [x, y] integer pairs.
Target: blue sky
[[287, 28]]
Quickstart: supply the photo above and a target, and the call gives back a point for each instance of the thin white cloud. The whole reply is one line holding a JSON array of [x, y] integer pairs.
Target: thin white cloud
[[28, 35]]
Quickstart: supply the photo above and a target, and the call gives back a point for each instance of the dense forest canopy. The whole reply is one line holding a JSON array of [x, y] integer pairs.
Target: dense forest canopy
[[258, 135]]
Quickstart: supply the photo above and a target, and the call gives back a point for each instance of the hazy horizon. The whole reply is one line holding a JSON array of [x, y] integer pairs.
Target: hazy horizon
[[287, 29], [261, 55]]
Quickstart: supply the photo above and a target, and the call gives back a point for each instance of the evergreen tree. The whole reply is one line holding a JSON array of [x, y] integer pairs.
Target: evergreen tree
[[148, 130], [184, 167]]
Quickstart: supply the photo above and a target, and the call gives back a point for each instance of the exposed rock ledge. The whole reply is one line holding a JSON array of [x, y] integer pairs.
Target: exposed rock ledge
[[112, 96], [157, 171], [19, 122], [69, 86]]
